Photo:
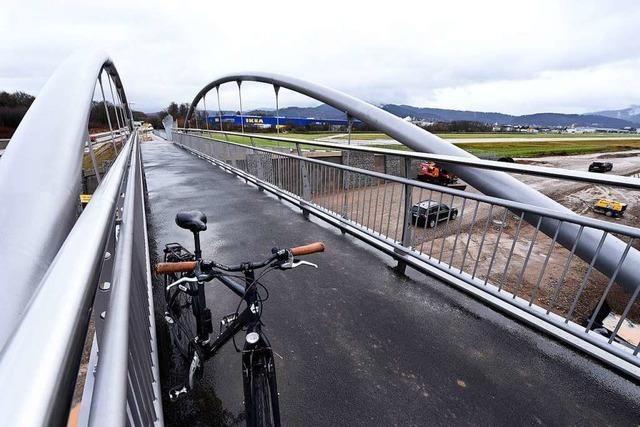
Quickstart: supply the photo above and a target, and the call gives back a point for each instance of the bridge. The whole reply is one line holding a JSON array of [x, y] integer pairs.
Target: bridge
[[497, 316]]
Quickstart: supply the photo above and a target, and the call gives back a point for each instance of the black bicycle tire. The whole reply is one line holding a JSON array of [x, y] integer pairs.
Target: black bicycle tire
[[182, 328], [261, 392]]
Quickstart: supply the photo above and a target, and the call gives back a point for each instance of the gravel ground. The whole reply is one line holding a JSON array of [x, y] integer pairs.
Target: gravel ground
[[380, 207]]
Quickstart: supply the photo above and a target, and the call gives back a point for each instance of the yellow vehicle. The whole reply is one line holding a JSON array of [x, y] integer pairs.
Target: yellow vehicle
[[610, 207]]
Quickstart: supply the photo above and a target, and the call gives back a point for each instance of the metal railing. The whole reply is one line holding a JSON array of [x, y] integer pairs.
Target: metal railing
[[490, 182], [492, 247], [68, 274]]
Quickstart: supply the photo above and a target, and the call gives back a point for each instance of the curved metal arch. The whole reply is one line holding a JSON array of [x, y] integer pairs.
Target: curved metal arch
[[493, 183], [40, 179]]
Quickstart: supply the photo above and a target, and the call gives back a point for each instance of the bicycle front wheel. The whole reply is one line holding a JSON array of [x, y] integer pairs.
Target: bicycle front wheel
[[263, 408]]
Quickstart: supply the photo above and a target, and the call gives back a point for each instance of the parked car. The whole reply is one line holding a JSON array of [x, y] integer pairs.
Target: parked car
[[429, 213], [600, 167], [609, 207]]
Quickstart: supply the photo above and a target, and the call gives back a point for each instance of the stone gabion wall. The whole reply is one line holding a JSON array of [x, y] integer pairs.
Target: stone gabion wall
[[394, 165], [260, 165], [361, 161]]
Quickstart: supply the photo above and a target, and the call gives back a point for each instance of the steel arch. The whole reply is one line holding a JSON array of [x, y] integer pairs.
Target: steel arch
[[492, 183]]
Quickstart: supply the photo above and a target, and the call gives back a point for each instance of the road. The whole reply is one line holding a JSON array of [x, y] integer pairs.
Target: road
[[357, 343]]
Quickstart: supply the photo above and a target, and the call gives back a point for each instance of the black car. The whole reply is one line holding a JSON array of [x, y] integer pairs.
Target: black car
[[429, 213], [600, 167]]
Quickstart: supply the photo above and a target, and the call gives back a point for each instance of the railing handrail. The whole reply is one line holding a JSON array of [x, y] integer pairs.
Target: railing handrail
[[519, 168], [39, 179], [39, 363], [516, 206]]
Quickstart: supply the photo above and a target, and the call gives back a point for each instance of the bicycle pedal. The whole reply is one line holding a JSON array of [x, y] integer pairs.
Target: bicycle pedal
[[178, 393]]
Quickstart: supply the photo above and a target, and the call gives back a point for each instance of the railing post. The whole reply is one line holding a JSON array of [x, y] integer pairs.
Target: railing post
[[406, 224], [306, 186]]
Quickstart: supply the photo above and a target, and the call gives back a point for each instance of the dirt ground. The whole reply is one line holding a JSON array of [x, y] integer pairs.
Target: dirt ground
[[533, 271]]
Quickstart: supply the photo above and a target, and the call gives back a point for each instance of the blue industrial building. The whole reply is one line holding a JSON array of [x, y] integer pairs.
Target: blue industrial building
[[272, 121]]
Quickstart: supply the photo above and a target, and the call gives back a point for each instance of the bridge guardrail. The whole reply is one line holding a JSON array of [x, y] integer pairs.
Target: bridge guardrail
[[70, 269], [489, 247]]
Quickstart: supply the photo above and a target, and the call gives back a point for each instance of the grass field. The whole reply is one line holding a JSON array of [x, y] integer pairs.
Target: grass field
[[538, 149], [486, 150], [265, 143], [377, 135]]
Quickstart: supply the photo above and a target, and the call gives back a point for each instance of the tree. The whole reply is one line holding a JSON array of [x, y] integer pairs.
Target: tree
[[172, 109]]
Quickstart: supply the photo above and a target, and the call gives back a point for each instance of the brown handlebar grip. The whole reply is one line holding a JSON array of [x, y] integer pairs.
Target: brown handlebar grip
[[307, 249], [175, 267]]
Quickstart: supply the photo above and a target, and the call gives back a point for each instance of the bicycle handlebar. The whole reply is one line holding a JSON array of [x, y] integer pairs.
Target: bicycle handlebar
[[189, 266], [311, 248], [175, 267]]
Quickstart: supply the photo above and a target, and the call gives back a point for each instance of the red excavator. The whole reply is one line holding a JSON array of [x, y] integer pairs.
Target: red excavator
[[432, 173]]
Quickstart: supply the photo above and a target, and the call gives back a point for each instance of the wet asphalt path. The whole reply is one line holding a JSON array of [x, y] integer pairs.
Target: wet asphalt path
[[357, 343]]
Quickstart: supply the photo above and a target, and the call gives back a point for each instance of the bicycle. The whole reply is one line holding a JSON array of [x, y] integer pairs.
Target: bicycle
[[189, 319]]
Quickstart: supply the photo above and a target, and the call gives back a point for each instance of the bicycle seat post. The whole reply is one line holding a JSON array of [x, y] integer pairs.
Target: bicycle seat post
[[196, 242]]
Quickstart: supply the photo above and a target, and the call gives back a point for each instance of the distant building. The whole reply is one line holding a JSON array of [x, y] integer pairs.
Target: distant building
[[272, 121]]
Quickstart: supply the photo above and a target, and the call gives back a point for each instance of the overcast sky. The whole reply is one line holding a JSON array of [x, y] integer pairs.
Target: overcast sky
[[514, 56]]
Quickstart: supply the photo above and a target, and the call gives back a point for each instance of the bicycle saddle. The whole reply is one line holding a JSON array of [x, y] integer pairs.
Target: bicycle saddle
[[195, 221]]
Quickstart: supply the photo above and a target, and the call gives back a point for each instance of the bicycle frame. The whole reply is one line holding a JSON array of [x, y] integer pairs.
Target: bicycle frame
[[249, 317]]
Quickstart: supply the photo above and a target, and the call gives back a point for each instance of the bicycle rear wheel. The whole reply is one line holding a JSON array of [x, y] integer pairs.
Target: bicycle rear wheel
[[262, 407], [182, 322]]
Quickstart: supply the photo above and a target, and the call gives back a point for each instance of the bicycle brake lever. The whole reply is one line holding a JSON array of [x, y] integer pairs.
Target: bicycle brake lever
[[297, 263]]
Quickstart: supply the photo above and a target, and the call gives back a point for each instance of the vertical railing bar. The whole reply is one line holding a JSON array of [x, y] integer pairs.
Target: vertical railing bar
[[606, 291], [534, 294], [370, 210], [113, 100], [393, 189], [106, 110], [424, 226], [366, 211], [375, 212], [355, 188], [586, 277], [520, 282], [435, 236], [314, 172], [495, 249], [400, 217], [363, 195], [195, 115], [384, 202], [445, 236], [276, 88], [516, 236], [337, 185], [484, 235], [455, 241], [240, 97], [220, 112], [206, 112], [414, 237], [473, 223], [326, 193]]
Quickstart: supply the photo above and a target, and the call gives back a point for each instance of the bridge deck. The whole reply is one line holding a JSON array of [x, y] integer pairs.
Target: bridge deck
[[360, 344]]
